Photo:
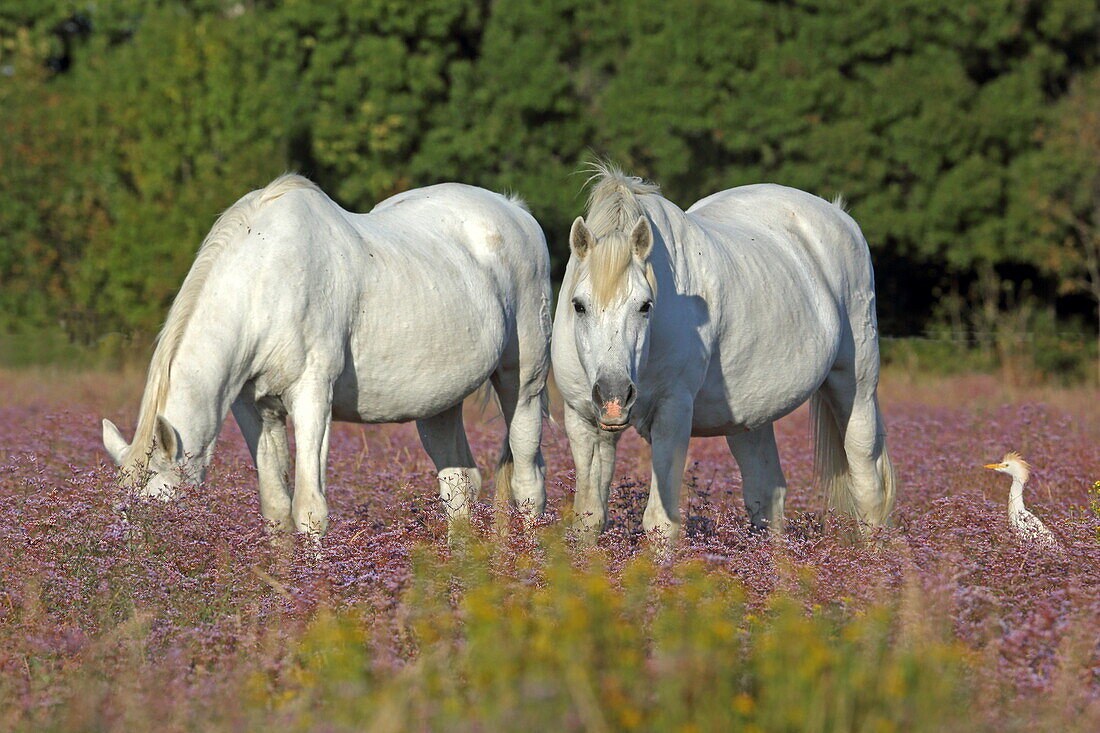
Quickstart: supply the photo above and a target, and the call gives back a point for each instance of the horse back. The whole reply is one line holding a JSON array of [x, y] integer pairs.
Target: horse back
[[489, 225], [428, 284], [792, 223]]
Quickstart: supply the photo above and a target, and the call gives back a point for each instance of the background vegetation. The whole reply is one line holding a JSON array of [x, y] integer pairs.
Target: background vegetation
[[963, 134]]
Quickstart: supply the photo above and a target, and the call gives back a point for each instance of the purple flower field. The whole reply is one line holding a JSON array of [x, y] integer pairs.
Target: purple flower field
[[187, 600]]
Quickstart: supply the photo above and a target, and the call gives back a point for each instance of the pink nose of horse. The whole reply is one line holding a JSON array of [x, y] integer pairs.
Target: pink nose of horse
[[613, 404]]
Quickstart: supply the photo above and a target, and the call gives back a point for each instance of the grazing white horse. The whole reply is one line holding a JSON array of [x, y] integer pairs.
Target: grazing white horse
[[295, 306], [719, 321]]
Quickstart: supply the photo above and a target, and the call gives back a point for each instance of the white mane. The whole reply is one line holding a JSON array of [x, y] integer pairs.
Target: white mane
[[613, 204], [221, 235], [613, 209]]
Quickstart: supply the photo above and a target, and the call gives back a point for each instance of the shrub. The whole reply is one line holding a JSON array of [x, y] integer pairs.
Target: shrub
[[662, 647]]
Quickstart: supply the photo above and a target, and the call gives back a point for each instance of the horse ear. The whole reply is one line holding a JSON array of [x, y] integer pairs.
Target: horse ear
[[581, 240], [113, 441], [168, 440], [641, 238]]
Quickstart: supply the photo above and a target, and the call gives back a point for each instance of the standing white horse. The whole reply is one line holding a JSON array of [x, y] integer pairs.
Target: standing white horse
[[294, 305], [719, 321]]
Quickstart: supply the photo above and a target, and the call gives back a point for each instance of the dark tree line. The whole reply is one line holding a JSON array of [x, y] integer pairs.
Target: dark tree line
[[963, 134]]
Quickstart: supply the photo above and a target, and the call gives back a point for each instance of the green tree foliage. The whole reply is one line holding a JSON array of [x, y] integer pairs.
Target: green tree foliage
[[129, 124], [1066, 187], [204, 115], [118, 166], [375, 74]]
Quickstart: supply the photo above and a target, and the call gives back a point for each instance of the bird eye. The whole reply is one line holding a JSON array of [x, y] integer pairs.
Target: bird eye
[[578, 306], [646, 306]]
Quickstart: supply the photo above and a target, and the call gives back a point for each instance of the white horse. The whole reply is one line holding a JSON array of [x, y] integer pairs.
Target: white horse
[[719, 321], [295, 306]]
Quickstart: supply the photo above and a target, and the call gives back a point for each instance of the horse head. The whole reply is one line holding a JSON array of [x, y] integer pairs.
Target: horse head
[[612, 298], [159, 468]]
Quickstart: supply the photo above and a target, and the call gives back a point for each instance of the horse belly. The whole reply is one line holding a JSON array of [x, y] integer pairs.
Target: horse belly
[[416, 365]]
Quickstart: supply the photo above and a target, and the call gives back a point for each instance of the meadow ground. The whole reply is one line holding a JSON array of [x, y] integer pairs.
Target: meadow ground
[[185, 616]]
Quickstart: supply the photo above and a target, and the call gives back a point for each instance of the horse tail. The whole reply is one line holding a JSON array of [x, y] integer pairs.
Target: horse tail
[[484, 396], [544, 403], [503, 498], [885, 469], [832, 472], [517, 200]]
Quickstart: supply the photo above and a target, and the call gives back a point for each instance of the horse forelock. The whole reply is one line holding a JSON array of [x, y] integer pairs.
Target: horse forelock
[[171, 334], [607, 265], [613, 210]]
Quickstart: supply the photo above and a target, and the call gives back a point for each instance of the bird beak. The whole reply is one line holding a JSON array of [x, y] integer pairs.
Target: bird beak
[[993, 465]]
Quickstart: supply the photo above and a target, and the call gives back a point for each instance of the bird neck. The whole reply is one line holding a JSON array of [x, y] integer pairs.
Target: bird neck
[[1016, 495]]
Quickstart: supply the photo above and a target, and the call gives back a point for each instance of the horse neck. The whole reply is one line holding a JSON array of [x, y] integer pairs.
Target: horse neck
[[207, 374]]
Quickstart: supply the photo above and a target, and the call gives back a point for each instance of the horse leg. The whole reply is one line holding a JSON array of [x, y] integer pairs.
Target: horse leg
[[867, 484], [520, 384], [311, 411], [670, 435], [594, 458], [521, 473], [444, 439], [762, 480], [264, 430]]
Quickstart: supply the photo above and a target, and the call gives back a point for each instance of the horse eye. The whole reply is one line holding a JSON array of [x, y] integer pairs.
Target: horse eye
[[646, 306], [578, 306]]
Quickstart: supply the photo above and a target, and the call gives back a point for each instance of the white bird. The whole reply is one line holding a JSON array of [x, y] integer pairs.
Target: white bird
[[1026, 525]]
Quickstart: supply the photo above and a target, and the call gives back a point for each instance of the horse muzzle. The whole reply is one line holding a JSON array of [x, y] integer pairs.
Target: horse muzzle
[[613, 403]]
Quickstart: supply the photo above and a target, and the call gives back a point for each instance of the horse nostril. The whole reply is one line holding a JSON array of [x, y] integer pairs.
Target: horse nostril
[[631, 393], [596, 394]]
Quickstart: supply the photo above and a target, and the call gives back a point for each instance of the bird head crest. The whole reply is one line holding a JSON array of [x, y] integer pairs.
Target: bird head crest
[[1014, 457]]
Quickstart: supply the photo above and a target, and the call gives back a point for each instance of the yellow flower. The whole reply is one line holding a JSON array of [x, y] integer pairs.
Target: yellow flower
[[744, 704], [630, 718]]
